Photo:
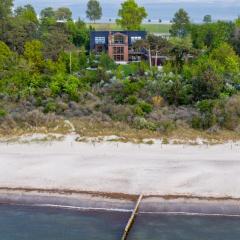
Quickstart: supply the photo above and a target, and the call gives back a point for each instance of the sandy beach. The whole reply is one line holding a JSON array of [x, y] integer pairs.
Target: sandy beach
[[111, 167]]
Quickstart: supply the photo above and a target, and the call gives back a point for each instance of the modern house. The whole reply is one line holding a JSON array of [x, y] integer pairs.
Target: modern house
[[118, 44]]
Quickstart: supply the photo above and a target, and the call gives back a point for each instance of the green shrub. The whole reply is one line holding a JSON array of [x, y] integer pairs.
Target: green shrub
[[165, 141], [72, 87], [146, 107], [166, 126], [142, 123], [230, 113], [207, 118], [106, 62], [50, 107], [172, 87], [3, 113], [56, 84], [138, 111], [196, 122], [132, 87], [132, 100], [89, 77], [206, 106]]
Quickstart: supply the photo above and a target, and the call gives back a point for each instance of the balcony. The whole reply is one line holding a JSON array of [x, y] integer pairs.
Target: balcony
[[119, 39]]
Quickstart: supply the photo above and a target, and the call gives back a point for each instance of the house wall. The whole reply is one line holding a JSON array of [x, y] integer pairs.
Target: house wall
[[110, 51], [112, 45], [109, 47]]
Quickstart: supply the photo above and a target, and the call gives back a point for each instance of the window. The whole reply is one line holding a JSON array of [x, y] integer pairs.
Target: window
[[118, 54], [99, 49], [100, 40], [135, 38], [118, 58], [118, 50]]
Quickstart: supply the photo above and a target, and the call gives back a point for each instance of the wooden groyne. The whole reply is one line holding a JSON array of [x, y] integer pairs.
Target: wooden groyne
[[131, 219]]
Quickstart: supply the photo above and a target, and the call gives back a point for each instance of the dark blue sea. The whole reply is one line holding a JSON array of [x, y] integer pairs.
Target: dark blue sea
[[41, 223], [219, 9]]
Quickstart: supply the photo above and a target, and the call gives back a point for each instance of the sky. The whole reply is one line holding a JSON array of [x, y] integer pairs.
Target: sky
[[139, 1], [164, 9], [235, 3]]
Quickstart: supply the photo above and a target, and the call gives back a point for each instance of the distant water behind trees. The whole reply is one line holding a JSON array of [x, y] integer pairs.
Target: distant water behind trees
[[156, 11]]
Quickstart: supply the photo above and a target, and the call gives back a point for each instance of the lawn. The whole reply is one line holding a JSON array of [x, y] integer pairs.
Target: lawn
[[150, 27], [157, 27]]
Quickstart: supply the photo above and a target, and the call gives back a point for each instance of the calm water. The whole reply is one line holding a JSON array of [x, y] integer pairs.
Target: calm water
[[163, 227], [28, 223]]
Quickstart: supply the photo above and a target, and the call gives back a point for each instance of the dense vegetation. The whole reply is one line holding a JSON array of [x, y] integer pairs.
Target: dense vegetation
[[47, 73]]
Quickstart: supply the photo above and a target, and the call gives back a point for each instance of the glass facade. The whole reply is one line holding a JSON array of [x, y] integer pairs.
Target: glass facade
[[135, 38], [100, 40]]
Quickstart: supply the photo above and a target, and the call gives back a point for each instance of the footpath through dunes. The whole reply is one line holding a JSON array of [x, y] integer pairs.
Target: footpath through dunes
[[125, 168]]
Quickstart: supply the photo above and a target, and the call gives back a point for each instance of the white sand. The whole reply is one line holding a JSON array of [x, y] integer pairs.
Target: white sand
[[123, 168]]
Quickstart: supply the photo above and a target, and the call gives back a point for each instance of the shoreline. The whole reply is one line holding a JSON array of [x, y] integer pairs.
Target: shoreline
[[110, 175], [111, 195], [83, 201]]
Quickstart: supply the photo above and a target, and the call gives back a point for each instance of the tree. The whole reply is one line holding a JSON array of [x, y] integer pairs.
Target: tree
[[55, 41], [94, 10], [78, 32], [144, 44], [215, 73], [17, 31], [5, 57], [235, 39], [211, 35], [227, 58], [82, 58], [5, 8], [63, 14], [237, 22], [5, 13], [181, 24], [207, 19], [47, 13], [33, 54], [181, 48], [208, 84], [157, 46], [27, 13], [131, 15]]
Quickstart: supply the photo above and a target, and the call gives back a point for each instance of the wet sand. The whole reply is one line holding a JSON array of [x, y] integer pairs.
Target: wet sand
[[100, 202]]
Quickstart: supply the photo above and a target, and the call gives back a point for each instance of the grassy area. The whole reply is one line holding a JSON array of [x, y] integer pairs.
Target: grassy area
[[157, 28], [151, 27]]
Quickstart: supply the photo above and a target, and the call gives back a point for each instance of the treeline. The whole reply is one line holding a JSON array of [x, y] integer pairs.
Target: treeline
[[47, 73]]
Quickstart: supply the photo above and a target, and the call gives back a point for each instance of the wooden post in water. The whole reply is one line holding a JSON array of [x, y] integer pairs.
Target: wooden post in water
[[131, 219]]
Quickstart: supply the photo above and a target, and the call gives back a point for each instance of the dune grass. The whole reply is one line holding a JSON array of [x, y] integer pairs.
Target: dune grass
[[149, 27], [129, 134], [88, 128]]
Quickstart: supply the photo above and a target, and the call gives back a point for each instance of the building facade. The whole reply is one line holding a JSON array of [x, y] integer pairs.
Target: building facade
[[118, 44]]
